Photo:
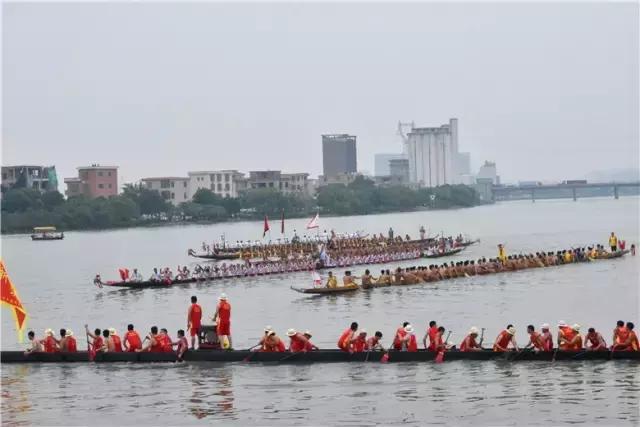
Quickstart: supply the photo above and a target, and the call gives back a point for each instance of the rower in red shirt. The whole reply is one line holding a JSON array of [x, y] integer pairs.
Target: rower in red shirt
[[571, 340], [359, 343], [630, 342], [505, 338], [273, 343], [565, 335], [222, 318], [469, 343], [345, 340], [155, 344], [166, 340], [298, 342], [132, 340], [49, 342], [547, 338], [535, 339], [309, 346], [431, 333], [71, 343], [98, 343], [409, 342], [594, 341], [115, 339], [398, 338], [373, 343], [194, 318]]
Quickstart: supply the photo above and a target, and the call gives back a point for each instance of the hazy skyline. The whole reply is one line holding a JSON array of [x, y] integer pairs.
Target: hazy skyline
[[548, 91]]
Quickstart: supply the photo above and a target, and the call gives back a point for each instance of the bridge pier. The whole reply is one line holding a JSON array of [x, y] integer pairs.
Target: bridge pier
[[574, 194], [615, 192]]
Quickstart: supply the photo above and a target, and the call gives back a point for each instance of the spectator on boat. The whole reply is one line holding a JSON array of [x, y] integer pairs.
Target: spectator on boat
[[136, 276]]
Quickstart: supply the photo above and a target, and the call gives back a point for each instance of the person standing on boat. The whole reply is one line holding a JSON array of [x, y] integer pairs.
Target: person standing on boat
[[502, 253], [613, 242], [506, 338], [222, 319], [422, 232], [194, 318], [469, 343], [390, 233]]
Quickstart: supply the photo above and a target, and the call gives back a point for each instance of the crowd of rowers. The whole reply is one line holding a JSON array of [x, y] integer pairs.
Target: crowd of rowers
[[354, 340], [467, 268]]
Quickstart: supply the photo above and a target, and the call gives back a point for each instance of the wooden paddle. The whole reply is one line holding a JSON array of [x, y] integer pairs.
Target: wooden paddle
[[385, 356], [481, 338], [246, 359], [440, 355]]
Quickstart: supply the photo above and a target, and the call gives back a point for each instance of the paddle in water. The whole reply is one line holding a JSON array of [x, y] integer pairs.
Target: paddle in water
[[248, 358], [440, 355]]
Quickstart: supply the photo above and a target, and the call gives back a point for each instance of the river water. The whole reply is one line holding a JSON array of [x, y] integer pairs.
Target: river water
[[54, 280]]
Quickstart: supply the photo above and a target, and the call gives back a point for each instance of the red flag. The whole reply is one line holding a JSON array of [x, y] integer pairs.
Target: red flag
[[282, 223], [266, 226], [9, 296], [314, 222]]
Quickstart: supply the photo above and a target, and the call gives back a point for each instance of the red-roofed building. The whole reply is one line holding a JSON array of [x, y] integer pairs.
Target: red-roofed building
[[93, 181]]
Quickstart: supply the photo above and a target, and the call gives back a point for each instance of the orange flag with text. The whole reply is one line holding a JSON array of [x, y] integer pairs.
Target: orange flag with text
[[9, 296]]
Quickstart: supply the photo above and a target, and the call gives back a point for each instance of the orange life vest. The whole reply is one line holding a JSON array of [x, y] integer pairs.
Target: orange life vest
[[412, 345], [195, 316], [503, 341], [567, 333], [468, 343], [343, 342], [117, 344], [71, 345], [397, 340], [298, 343], [133, 339], [537, 341], [49, 344]]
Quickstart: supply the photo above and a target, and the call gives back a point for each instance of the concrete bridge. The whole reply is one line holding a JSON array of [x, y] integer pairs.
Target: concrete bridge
[[558, 191]]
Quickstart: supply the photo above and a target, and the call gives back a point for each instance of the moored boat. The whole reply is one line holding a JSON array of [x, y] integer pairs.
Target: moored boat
[[220, 256], [46, 233], [443, 254], [320, 356], [324, 290]]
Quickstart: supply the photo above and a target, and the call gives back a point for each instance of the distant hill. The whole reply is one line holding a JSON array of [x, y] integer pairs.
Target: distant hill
[[617, 175]]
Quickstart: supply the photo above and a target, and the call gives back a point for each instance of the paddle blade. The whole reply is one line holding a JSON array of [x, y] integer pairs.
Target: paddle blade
[[385, 358], [440, 357]]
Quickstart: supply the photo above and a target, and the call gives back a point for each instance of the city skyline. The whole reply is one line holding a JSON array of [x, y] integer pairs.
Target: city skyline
[[232, 90]]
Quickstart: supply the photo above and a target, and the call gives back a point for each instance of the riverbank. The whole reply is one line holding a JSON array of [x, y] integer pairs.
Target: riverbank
[[23, 209]]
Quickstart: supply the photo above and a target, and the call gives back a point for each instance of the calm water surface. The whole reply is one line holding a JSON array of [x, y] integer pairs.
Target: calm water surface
[[54, 281]]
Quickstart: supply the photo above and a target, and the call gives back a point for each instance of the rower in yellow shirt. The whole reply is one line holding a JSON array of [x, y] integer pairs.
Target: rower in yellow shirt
[[613, 242], [502, 253], [332, 282]]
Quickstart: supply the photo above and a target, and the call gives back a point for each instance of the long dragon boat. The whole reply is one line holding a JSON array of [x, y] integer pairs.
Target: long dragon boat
[[320, 356], [324, 290], [444, 253]]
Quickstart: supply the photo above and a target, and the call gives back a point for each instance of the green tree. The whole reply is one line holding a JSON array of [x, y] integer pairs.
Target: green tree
[[21, 199], [51, 200]]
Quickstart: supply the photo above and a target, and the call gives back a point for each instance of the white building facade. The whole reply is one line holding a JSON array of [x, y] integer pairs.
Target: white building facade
[[225, 183], [433, 155], [172, 189]]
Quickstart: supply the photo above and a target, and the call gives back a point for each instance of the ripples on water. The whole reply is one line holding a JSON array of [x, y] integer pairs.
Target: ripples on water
[[496, 393], [58, 293]]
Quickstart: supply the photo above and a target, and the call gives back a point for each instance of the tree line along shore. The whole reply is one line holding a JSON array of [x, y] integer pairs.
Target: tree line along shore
[[23, 209]]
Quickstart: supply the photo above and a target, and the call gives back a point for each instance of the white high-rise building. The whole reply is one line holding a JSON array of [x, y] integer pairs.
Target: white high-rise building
[[433, 155]]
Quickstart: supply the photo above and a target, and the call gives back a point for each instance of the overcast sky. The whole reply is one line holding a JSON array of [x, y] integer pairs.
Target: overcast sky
[[548, 91]]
